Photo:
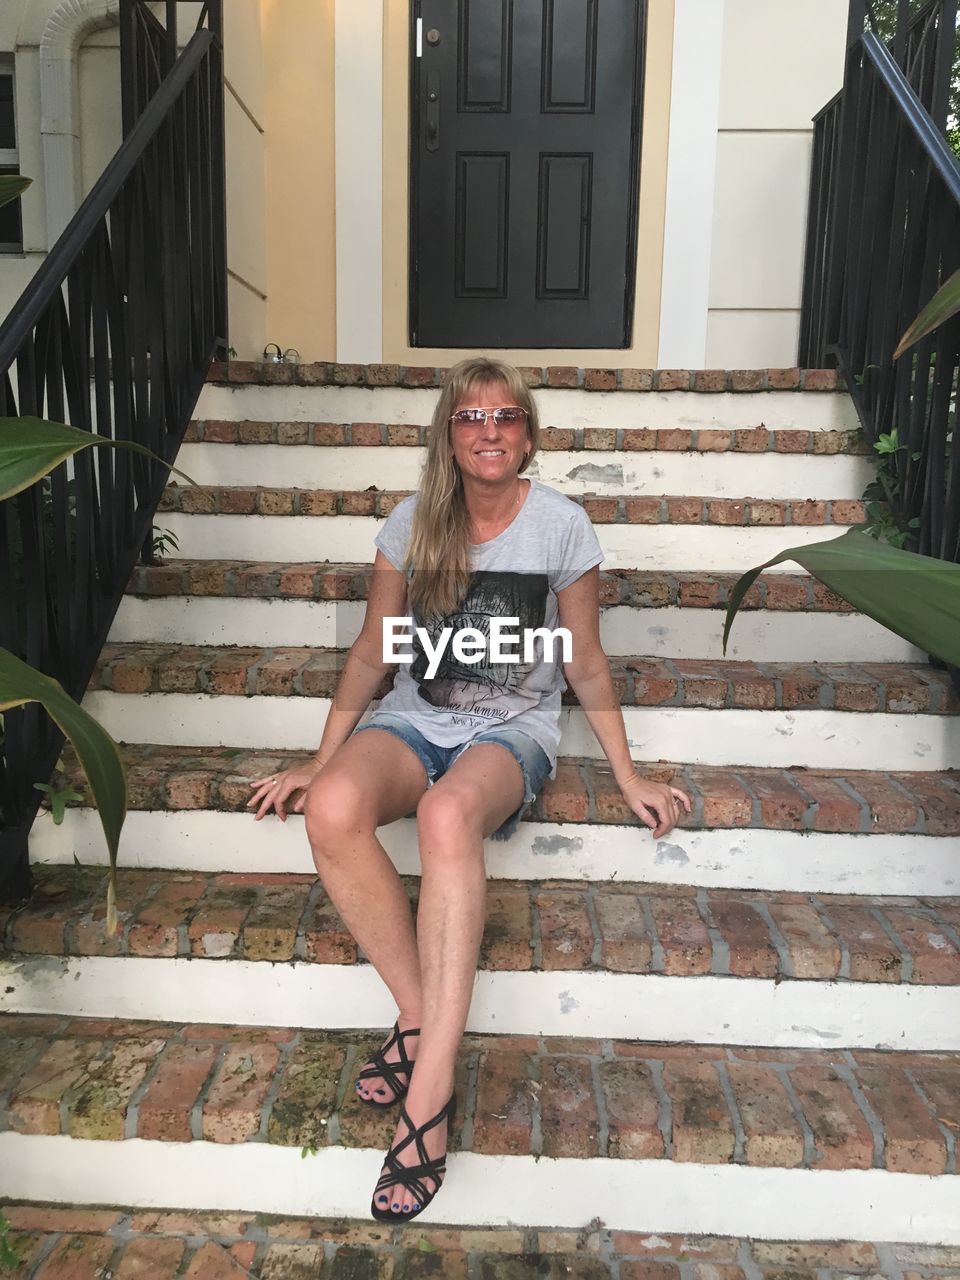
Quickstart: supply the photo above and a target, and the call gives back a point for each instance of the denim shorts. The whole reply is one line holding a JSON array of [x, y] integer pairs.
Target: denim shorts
[[531, 757]]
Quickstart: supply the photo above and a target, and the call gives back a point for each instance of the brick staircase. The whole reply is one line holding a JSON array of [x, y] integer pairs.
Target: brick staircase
[[749, 1030]]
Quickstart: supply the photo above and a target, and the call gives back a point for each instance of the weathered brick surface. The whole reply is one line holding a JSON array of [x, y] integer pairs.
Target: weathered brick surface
[[159, 1246], [77, 1258], [633, 1109], [324, 373], [703, 1129], [506, 1103], [219, 778], [840, 1130], [568, 1107], [285, 671], [617, 926], [644, 588], [773, 1135], [678, 509], [166, 1106], [232, 1110]]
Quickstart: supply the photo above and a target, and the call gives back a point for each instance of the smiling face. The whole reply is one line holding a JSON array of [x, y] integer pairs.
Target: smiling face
[[486, 452]]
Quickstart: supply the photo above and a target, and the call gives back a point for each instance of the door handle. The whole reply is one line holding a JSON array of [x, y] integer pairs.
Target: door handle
[[432, 113]]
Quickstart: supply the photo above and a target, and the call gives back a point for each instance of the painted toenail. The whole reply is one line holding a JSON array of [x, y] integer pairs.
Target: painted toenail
[[416, 1206], [396, 1206]]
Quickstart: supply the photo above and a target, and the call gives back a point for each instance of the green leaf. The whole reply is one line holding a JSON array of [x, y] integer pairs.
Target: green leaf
[[58, 798], [916, 596], [11, 186], [96, 750], [30, 448], [944, 304]]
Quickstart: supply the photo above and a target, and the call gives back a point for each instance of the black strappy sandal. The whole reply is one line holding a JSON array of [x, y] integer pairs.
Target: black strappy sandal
[[411, 1177], [391, 1072]]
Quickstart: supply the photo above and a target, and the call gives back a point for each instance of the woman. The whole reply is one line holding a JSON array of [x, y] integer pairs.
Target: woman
[[466, 738]]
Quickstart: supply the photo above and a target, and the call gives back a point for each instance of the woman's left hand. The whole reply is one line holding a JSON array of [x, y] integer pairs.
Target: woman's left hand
[[657, 804]]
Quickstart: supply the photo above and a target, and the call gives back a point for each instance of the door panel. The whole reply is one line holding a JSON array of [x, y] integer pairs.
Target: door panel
[[525, 129], [569, 55]]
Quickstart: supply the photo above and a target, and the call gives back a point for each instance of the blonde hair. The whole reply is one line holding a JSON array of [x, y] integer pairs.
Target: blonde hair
[[439, 551]]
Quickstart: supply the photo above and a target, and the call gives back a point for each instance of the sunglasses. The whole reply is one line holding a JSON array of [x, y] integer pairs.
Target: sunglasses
[[509, 416]]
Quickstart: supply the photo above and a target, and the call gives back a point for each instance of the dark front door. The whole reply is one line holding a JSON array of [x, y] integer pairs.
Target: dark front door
[[526, 125]]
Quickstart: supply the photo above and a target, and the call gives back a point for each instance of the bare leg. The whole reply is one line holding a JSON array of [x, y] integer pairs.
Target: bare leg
[[373, 779], [480, 791]]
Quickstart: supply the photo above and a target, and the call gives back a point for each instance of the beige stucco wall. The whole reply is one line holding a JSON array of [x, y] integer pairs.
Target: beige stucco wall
[[298, 49], [246, 176], [653, 171], [780, 64]]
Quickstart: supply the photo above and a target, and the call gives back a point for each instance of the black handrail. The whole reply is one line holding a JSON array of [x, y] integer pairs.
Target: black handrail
[[50, 275], [114, 334], [915, 115], [883, 234]]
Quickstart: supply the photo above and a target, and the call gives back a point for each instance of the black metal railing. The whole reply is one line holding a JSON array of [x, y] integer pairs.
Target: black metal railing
[[883, 234], [114, 334]]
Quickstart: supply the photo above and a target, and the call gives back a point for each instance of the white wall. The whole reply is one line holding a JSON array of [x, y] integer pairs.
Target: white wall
[[781, 62]]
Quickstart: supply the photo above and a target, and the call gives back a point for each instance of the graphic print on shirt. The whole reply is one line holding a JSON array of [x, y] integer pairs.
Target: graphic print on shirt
[[483, 691]]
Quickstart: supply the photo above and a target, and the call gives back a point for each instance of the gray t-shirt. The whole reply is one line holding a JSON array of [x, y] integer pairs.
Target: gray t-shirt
[[549, 545]]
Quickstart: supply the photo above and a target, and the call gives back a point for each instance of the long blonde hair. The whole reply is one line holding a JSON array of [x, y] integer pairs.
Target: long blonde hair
[[439, 549]]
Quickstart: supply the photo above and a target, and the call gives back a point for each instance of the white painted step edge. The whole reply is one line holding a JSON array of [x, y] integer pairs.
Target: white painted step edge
[[701, 1010], [701, 735], [740, 858], [603, 472], [823, 411], [294, 539], [626, 1195], [624, 630]]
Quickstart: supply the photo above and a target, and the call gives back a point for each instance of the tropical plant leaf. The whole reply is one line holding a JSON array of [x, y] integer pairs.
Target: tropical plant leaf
[[944, 304], [916, 596], [96, 751], [30, 448], [11, 186]]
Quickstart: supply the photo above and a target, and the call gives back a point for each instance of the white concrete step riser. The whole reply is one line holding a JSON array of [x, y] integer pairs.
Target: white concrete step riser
[[825, 411], [704, 1010], [350, 538], [625, 631], [743, 858], [729, 475], [648, 1196], [698, 735]]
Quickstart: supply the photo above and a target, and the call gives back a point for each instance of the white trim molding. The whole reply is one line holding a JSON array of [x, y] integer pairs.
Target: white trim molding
[[65, 30], [358, 78], [691, 173]]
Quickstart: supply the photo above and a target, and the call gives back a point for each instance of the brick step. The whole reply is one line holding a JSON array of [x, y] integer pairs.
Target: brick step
[[705, 713], [640, 682], [174, 778], [668, 614], [646, 509], [239, 373], [633, 588], [581, 439], [197, 1246], [518, 1096], [532, 926]]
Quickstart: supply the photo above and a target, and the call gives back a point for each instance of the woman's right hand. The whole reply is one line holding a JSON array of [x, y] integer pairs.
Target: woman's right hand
[[278, 789]]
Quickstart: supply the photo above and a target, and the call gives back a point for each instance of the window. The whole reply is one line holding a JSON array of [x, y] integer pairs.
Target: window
[[11, 228]]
